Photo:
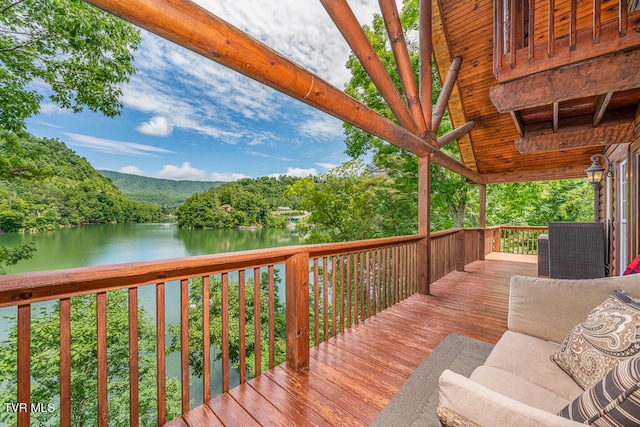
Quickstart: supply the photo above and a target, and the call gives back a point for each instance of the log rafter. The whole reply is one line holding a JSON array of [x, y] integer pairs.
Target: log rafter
[[200, 31], [403, 61], [456, 133], [445, 93], [346, 21]]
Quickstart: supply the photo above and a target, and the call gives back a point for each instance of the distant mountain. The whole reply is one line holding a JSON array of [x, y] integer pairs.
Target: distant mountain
[[166, 193], [69, 192]]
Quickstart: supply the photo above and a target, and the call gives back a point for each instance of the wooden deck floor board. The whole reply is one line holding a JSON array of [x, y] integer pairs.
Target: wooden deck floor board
[[352, 376]]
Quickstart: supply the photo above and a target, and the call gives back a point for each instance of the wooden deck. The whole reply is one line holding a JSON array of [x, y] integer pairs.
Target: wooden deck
[[353, 376]]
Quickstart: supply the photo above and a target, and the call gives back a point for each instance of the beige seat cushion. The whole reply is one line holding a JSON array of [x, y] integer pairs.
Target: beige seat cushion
[[528, 358], [519, 389]]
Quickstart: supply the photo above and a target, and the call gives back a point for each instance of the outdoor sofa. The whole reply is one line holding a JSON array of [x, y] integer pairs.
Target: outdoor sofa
[[519, 384]]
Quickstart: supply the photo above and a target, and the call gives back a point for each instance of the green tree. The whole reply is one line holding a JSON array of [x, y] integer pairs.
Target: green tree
[[45, 368], [450, 191], [538, 203], [352, 202], [82, 53]]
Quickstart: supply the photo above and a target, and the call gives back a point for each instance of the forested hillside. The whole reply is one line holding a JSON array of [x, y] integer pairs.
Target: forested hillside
[[166, 193], [66, 190], [244, 203]]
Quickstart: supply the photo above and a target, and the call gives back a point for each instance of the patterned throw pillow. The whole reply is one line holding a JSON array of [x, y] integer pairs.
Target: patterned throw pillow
[[633, 267], [614, 401], [610, 334]]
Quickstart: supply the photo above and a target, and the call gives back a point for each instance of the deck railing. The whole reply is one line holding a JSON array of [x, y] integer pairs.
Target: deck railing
[[516, 239], [328, 288], [532, 36]]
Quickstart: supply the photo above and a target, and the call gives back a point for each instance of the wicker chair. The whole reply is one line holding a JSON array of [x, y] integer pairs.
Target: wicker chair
[[576, 250]]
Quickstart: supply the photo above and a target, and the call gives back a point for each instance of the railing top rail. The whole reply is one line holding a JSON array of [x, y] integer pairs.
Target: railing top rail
[[524, 227], [27, 288]]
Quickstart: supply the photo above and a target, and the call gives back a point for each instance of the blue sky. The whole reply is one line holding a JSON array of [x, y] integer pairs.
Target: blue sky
[[186, 117]]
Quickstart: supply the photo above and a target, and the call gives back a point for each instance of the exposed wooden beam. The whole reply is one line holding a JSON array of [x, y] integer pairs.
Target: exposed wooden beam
[[612, 73], [426, 50], [403, 61], [556, 114], [346, 21], [443, 59], [456, 133], [601, 107], [195, 28], [517, 121], [445, 93], [537, 175], [603, 135]]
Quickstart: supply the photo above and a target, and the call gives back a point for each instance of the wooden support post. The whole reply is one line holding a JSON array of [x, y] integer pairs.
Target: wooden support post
[[460, 250], [297, 302], [424, 221], [483, 220]]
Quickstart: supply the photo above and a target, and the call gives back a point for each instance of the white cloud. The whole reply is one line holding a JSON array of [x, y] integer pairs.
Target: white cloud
[[296, 172], [182, 173], [51, 108], [326, 165], [157, 126], [268, 156], [112, 146], [132, 170], [299, 29], [227, 176], [321, 125]]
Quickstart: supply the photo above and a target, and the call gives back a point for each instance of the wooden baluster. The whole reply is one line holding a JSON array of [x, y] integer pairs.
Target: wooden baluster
[[356, 287], [375, 276], [334, 294], [297, 298], [257, 345], [573, 24], [160, 355], [65, 362], [133, 358], [513, 32], [342, 268], [316, 303], [623, 10], [101, 313], [597, 20], [396, 277], [551, 30], [531, 31], [498, 36], [272, 323], [206, 340], [349, 276], [325, 297], [225, 331], [24, 362], [184, 343], [366, 284], [242, 306]]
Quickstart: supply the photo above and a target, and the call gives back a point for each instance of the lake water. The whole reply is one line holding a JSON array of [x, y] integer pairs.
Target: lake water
[[118, 243]]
